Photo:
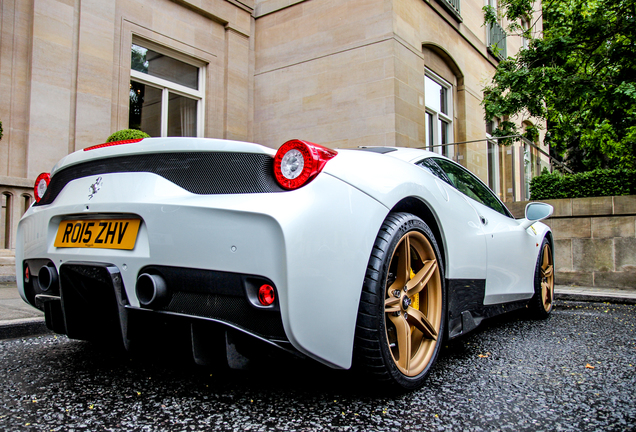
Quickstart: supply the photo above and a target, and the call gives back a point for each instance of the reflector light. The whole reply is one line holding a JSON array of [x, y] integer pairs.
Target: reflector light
[[26, 275], [297, 162], [114, 143], [41, 184], [266, 295]]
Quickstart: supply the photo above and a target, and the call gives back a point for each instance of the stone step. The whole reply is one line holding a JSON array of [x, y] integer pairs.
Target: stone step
[[7, 270], [7, 261], [7, 265]]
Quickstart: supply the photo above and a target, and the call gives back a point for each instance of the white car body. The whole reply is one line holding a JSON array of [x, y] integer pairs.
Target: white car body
[[313, 243]]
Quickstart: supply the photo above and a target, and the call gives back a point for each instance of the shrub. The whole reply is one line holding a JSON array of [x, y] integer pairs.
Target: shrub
[[127, 134], [600, 182]]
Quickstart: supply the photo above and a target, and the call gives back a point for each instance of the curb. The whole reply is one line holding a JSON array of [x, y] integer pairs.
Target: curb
[[30, 327], [21, 328], [600, 298]]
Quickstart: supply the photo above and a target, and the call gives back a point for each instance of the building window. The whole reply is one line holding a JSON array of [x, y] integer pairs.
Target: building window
[[525, 27], [497, 35], [166, 94], [453, 7], [439, 113]]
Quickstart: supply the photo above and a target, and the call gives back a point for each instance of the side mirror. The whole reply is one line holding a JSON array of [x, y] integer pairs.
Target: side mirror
[[536, 211]]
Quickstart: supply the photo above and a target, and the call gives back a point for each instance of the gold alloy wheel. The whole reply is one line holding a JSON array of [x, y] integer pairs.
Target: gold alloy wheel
[[547, 278], [413, 304]]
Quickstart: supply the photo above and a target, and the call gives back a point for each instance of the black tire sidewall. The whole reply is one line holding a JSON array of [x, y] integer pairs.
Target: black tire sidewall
[[397, 225], [536, 307]]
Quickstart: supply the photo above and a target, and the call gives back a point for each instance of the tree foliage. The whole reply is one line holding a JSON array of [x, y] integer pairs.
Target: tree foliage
[[580, 77]]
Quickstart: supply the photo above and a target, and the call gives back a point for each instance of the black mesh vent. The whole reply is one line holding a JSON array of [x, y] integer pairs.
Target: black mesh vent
[[218, 295], [235, 310], [204, 173]]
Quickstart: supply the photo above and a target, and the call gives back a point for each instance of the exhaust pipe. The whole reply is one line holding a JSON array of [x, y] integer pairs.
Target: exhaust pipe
[[152, 291], [47, 277]]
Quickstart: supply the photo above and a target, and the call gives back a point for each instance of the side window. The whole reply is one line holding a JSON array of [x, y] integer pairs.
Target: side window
[[434, 169], [470, 186]]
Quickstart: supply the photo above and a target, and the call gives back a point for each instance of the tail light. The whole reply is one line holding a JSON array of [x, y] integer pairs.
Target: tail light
[[297, 162], [114, 143], [41, 184]]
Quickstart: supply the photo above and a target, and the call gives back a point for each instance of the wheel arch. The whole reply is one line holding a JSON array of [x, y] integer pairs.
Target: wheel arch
[[422, 210], [550, 238]]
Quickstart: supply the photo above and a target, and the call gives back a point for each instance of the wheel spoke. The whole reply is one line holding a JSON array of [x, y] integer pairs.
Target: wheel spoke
[[548, 292], [547, 270], [418, 319], [422, 277], [404, 263], [403, 342], [392, 304]]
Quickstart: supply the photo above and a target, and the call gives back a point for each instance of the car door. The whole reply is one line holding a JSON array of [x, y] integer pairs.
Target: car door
[[510, 248]]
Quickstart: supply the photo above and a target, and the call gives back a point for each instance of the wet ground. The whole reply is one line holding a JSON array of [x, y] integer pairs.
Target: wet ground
[[575, 371]]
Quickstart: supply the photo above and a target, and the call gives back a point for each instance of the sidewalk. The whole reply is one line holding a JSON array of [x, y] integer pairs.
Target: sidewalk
[[18, 319]]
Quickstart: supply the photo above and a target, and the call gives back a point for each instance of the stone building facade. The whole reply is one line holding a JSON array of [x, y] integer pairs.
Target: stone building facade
[[342, 73]]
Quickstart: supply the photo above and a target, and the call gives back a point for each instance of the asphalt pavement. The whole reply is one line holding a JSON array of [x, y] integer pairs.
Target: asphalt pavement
[[574, 372], [18, 319]]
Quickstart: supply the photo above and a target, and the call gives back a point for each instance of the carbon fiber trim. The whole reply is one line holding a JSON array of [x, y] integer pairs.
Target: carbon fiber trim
[[203, 173]]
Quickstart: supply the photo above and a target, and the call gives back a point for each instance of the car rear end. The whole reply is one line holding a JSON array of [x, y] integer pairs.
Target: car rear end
[[129, 236]]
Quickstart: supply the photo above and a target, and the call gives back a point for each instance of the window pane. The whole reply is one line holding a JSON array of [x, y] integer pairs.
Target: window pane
[[443, 99], [433, 95], [182, 116], [156, 64], [443, 132], [145, 109]]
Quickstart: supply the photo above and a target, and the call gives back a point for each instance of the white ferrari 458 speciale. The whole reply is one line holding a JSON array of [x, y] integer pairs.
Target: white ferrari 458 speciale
[[365, 257]]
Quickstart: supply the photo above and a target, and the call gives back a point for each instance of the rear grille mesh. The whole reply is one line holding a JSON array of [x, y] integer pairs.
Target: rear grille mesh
[[203, 173], [233, 310]]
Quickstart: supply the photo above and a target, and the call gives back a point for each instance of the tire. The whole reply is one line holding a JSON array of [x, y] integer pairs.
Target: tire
[[542, 302], [402, 315]]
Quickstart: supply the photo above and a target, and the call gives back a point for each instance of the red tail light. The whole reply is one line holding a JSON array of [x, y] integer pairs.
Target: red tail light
[[114, 143], [297, 162], [41, 184], [266, 295]]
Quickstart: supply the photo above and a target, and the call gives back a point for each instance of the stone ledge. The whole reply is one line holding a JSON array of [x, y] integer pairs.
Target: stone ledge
[[582, 207]]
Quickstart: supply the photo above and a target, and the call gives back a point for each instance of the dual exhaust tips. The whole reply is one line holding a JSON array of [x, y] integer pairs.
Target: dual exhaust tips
[[151, 290]]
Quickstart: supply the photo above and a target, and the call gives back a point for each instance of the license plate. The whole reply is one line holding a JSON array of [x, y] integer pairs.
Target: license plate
[[98, 233]]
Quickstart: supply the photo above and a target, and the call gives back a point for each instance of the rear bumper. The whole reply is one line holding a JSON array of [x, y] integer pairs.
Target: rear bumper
[[313, 244]]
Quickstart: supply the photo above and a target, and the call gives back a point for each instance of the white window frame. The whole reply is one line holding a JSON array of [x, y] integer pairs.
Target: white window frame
[[494, 159], [167, 86], [437, 116], [525, 25]]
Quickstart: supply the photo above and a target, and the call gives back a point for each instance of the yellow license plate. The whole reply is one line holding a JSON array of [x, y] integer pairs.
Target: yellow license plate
[[98, 233]]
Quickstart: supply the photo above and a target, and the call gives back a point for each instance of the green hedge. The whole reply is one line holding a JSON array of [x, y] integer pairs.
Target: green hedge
[[607, 182], [127, 134]]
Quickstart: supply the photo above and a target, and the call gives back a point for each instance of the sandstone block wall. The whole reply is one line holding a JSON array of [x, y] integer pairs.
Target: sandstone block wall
[[594, 240]]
